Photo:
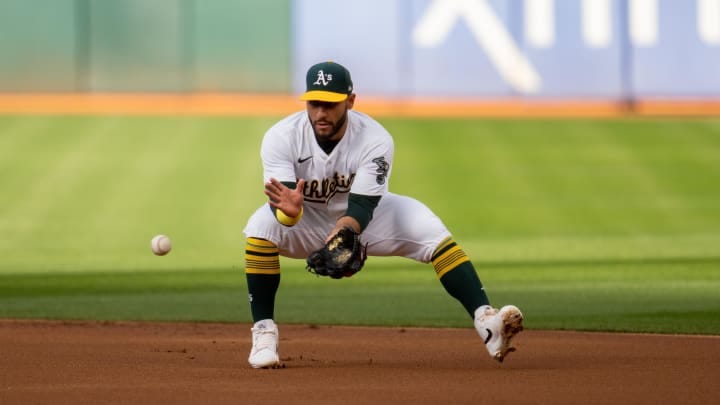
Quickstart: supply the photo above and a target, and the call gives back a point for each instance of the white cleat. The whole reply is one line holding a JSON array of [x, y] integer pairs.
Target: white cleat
[[497, 328], [264, 351]]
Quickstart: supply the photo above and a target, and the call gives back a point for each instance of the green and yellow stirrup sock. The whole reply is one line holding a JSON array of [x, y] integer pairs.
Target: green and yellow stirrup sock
[[458, 276], [262, 271]]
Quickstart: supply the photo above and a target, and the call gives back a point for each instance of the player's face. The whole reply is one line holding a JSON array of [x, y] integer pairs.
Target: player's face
[[329, 119]]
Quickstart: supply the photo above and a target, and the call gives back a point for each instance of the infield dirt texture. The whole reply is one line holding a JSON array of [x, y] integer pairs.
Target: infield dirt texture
[[170, 363], [94, 362]]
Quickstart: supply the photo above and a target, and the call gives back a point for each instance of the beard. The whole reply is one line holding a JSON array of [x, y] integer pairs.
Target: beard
[[328, 135]]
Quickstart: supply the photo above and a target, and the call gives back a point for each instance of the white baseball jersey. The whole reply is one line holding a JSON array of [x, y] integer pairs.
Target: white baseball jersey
[[360, 163]]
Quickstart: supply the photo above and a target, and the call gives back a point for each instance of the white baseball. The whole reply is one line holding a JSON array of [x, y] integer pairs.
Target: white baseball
[[160, 245]]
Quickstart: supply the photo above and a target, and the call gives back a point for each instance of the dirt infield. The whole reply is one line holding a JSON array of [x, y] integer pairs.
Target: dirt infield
[[280, 104], [59, 362]]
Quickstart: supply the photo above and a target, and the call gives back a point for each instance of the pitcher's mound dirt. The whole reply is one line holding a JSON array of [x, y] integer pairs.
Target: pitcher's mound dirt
[[57, 362]]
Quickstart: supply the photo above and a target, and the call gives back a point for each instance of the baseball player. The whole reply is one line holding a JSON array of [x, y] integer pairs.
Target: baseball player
[[328, 168]]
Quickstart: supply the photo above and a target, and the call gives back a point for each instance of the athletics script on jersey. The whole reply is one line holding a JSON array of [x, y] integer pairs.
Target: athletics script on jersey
[[323, 190]]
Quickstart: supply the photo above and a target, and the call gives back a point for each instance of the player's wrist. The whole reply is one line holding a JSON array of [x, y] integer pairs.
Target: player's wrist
[[286, 219]]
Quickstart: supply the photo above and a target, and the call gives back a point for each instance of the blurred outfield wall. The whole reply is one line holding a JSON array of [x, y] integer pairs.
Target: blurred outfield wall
[[500, 49], [144, 45]]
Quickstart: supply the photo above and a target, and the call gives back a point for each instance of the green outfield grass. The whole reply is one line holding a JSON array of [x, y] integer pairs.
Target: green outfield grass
[[584, 224]]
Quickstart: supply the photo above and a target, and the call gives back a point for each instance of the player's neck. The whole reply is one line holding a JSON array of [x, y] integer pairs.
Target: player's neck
[[327, 146]]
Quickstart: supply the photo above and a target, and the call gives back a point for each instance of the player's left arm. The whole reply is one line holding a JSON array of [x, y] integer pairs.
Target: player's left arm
[[358, 215], [369, 185]]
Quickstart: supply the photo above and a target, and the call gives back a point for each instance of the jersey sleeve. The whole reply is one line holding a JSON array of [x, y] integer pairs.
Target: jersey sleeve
[[361, 207], [374, 169], [277, 156]]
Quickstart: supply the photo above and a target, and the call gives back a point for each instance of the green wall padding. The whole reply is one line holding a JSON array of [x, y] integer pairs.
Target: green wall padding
[[242, 45], [145, 46], [38, 45]]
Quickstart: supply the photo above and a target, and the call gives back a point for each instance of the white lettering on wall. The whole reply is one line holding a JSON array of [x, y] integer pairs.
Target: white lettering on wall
[[540, 23], [643, 15], [597, 23], [489, 32], [514, 67], [709, 21]]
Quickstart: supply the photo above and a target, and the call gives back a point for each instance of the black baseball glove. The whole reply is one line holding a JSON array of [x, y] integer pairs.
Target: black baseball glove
[[342, 256]]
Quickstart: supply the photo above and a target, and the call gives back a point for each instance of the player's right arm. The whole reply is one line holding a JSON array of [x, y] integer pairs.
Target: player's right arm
[[281, 197], [283, 189]]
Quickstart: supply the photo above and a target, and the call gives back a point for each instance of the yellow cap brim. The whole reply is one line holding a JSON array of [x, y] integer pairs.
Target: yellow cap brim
[[319, 95]]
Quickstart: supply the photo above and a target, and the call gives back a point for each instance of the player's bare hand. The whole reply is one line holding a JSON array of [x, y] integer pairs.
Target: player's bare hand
[[285, 199]]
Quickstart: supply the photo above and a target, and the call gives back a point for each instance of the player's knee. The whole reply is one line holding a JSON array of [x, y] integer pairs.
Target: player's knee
[[261, 257], [447, 256]]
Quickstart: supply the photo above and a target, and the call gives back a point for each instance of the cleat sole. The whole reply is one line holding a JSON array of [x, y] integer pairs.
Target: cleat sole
[[512, 325]]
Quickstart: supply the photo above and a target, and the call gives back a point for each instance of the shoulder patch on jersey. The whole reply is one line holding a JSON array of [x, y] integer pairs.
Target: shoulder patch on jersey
[[382, 169]]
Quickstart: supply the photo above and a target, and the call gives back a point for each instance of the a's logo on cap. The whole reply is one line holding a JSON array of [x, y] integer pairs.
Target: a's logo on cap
[[323, 78], [327, 81]]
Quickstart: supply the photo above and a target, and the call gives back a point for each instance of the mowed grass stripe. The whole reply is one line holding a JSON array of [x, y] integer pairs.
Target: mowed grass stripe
[[518, 197], [649, 297], [686, 166], [597, 225], [647, 181], [138, 177], [52, 167], [569, 186], [643, 194]]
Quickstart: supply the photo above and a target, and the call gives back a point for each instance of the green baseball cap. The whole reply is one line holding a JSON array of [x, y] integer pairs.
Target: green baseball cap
[[327, 81]]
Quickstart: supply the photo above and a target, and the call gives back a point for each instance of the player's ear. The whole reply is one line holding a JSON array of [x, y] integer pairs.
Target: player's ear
[[350, 101]]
